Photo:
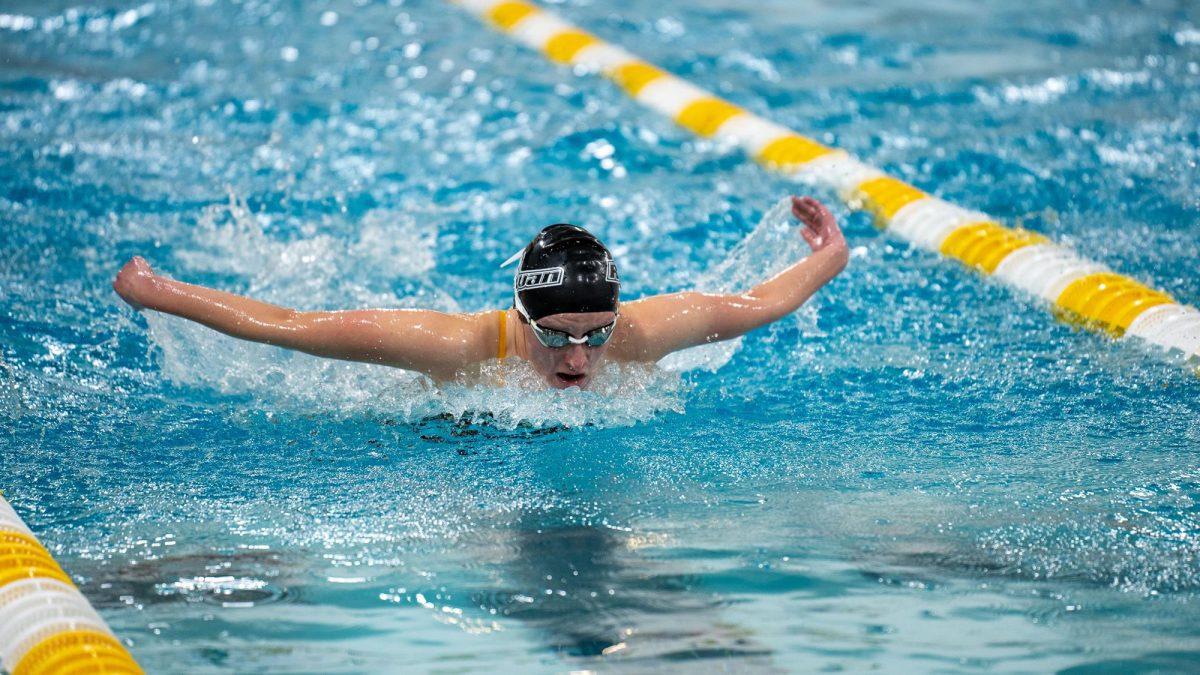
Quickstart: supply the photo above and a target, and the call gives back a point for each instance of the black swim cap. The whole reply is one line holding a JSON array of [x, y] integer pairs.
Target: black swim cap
[[565, 270]]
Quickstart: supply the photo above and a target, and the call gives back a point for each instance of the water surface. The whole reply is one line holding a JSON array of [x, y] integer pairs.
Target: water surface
[[921, 470]]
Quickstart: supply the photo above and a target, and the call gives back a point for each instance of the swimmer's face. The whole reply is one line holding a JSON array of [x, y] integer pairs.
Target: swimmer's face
[[573, 365]]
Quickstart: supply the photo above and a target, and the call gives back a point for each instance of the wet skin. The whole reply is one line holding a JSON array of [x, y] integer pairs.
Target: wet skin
[[573, 365], [442, 344]]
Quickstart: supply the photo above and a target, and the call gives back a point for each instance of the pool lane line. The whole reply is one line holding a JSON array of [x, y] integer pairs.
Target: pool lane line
[[1079, 291], [46, 625]]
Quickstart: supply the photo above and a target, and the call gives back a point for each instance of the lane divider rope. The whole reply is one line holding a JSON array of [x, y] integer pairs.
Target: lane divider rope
[[46, 625], [1079, 291]]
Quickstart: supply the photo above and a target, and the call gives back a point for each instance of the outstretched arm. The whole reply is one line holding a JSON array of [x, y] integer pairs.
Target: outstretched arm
[[434, 343], [663, 324]]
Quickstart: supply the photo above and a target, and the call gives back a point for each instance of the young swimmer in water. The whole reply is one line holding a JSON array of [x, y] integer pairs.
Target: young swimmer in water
[[566, 317]]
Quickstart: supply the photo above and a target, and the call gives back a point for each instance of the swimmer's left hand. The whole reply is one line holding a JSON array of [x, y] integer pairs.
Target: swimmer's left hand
[[821, 230]]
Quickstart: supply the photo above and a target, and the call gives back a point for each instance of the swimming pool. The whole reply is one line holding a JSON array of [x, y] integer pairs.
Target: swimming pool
[[920, 471]]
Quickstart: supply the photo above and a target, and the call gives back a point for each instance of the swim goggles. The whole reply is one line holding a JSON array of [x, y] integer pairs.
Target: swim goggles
[[557, 339]]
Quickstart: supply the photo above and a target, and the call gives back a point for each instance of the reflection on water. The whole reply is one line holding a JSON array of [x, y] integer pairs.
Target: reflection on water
[[585, 592], [754, 575], [589, 592], [242, 579]]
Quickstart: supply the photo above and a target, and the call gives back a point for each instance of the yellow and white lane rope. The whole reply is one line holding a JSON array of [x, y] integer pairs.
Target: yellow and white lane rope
[[1081, 291], [46, 625]]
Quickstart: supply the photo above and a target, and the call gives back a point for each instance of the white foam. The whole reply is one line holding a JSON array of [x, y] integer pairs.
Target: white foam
[[317, 272], [298, 273], [325, 272], [771, 247]]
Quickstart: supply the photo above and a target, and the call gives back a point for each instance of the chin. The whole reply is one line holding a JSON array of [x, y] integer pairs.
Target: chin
[[559, 381]]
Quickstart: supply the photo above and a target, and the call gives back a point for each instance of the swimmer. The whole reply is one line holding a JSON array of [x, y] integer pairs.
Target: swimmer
[[566, 316]]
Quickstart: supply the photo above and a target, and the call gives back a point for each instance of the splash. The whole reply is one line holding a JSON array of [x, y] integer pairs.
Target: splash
[[771, 247], [323, 269], [319, 269], [506, 395], [622, 394]]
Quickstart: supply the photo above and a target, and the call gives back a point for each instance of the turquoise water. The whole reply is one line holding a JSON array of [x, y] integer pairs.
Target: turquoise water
[[919, 471]]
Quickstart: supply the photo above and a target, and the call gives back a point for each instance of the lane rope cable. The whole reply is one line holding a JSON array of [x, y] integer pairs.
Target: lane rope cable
[[1079, 291]]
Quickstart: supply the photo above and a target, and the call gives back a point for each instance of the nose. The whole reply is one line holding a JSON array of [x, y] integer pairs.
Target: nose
[[576, 358]]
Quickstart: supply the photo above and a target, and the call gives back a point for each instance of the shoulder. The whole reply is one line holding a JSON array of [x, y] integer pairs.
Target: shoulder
[[642, 324], [484, 330], [457, 342], [660, 324]]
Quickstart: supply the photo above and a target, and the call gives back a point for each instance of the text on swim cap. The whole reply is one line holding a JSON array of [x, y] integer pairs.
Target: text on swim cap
[[549, 276]]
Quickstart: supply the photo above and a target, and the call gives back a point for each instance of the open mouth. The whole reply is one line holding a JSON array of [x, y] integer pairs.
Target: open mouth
[[569, 379]]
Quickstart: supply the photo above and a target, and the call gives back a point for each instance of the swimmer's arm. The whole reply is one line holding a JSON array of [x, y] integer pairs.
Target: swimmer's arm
[[434, 343], [663, 324]]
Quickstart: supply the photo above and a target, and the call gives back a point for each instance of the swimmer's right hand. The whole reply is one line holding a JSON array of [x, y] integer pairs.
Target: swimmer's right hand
[[134, 282]]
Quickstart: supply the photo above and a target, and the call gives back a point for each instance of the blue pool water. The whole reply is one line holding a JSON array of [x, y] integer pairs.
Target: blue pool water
[[919, 471]]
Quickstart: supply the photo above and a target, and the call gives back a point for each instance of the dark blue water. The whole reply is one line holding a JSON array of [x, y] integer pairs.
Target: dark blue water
[[921, 470]]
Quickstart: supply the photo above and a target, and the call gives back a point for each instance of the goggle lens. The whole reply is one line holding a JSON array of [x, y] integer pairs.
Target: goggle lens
[[557, 339]]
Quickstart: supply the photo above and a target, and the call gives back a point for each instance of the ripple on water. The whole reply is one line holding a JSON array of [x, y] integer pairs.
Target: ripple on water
[[921, 467]]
